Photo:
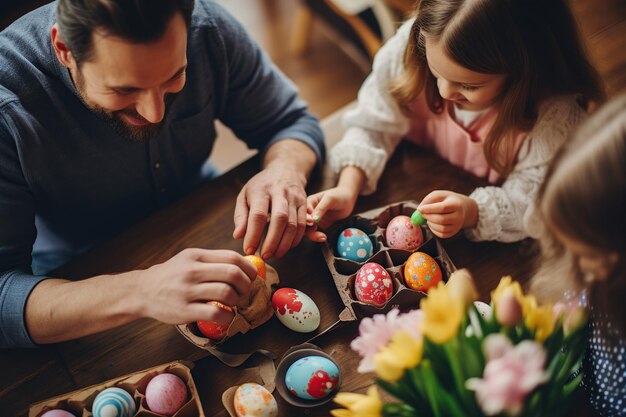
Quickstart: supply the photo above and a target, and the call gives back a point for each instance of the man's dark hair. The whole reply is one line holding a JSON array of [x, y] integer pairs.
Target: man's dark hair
[[140, 21]]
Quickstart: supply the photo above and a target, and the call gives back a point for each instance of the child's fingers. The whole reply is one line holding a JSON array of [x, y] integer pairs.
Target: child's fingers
[[440, 219], [435, 197], [315, 235], [324, 204], [443, 231], [443, 207]]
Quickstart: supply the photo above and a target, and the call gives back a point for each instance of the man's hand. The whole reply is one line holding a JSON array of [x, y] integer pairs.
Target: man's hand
[[448, 212], [277, 195], [173, 292], [177, 290]]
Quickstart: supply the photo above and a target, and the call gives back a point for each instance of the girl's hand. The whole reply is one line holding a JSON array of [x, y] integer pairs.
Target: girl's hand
[[448, 212], [326, 207]]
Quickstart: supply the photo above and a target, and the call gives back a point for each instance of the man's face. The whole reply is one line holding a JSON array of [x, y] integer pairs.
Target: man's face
[[126, 83]]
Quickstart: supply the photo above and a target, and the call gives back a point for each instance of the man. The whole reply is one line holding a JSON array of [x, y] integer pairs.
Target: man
[[107, 111]]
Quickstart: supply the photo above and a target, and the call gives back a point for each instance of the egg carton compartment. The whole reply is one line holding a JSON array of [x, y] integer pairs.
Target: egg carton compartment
[[374, 222], [80, 402], [363, 224]]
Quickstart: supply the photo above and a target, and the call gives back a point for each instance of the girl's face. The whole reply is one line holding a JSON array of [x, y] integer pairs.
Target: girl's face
[[594, 262], [467, 89]]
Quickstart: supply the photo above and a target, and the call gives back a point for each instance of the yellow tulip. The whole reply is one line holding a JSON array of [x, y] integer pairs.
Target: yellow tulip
[[404, 351], [507, 284], [442, 315], [461, 287], [539, 318], [359, 405]]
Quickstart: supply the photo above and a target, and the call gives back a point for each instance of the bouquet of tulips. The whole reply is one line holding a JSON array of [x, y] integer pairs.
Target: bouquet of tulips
[[457, 357]]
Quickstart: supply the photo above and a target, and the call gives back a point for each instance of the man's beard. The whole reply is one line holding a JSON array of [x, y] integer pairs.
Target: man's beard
[[113, 119]]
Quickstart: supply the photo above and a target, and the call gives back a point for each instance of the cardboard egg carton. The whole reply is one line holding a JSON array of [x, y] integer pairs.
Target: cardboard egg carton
[[373, 223], [79, 402]]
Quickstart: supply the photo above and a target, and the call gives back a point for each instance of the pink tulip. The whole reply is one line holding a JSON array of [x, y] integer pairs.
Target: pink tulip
[[508, 309], [511, 373], [376, 332]]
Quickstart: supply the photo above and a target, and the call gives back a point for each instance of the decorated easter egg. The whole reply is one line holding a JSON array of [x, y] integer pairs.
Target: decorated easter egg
[[312, 377], [484, 309], [212, 329], [421, 272], [401, 233], [373, 285], [259, 263], [57, 413], [254, 400], [113, 402], [296, 310], [354, 244], [165, 394]]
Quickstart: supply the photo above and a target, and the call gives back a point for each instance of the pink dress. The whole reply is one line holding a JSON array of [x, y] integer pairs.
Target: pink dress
[[460, 146]]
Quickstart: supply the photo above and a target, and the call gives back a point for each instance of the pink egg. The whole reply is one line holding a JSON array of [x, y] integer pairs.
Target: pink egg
[[57, 413], [165, 394], [402, 234], [373, 285]]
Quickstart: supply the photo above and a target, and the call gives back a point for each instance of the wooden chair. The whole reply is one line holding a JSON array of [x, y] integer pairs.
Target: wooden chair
[[366, 28]]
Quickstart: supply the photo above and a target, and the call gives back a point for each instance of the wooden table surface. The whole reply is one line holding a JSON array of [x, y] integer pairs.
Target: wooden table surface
[[204, 219]]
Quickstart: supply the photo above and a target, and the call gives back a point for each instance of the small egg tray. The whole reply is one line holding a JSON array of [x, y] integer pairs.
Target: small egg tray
[[373, 223], [79, 402], [288, 359]]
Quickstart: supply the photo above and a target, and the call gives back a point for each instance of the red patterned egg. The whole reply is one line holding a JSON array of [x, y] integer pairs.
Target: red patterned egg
[[373, 285], [212, 329], [421, 272], [402, 234], [296, 310]]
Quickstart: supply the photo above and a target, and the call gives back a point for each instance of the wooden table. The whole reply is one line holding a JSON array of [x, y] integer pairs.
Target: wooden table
[[204, 219]]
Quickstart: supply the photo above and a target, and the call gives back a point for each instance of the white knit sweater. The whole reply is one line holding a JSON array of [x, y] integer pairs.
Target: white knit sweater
[[376, 125]]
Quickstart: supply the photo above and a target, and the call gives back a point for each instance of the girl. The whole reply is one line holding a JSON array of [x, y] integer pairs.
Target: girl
[[493, 86], [583, 205]]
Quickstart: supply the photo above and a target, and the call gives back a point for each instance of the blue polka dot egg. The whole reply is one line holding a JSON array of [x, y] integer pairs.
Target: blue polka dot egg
[[114, 402], [354, 244]]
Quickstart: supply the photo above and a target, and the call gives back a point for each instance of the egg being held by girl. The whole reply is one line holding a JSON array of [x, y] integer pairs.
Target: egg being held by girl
[[113, 402], [212, 329], [421, 272], [254, 400], [296, 310], [401, 233], [166, 394], [373, 285], [312, 377], [57, 413], [354, 244]]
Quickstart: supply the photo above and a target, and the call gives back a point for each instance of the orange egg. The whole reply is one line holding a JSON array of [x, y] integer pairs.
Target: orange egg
[[212, 329], [421, 272], [259, 263]]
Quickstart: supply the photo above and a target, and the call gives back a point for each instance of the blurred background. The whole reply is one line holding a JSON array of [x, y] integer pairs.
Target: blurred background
[[326, 46]]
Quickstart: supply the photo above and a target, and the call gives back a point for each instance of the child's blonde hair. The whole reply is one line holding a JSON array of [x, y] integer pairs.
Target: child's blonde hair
[[534, 42], [584, 199]]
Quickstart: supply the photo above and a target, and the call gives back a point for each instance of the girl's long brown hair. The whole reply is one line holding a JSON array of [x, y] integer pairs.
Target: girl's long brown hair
[[535, 43], [584, 198]]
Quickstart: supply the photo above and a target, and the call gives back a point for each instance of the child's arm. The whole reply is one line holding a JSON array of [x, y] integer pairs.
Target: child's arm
[[505, 213], [376, 125]]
